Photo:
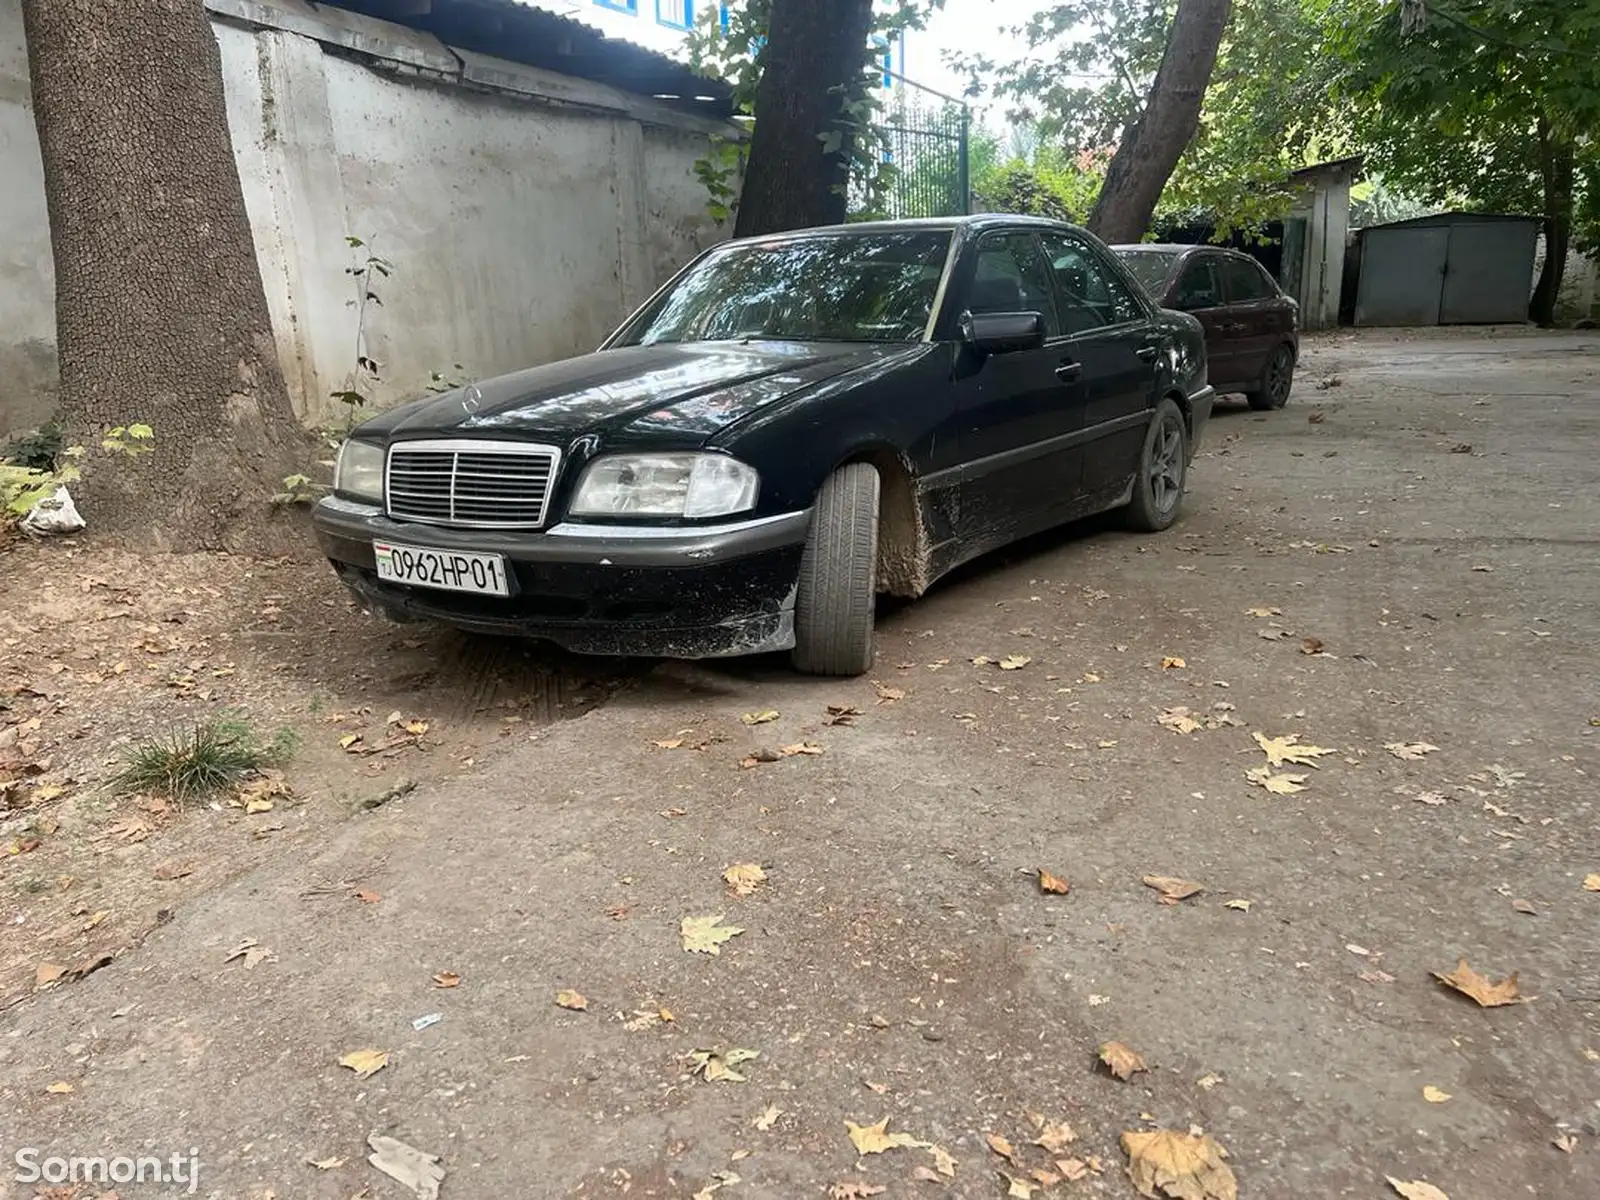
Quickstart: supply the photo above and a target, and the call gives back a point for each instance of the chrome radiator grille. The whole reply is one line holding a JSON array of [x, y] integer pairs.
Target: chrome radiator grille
[[480, 484]]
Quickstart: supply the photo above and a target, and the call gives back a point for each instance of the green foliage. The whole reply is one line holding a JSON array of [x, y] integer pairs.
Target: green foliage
[[1269, 110], [1465, 103], [129, 440], [1050, 185], [298, 489], [38, 450], [35, 467], [438, 381], [719, 173], [206, 760]]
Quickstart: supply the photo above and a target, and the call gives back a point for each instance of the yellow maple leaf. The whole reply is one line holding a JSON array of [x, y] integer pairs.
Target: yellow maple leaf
[[1184, 1166], [705, 935], [365, 1062], [1122, 1061], [1416, 1190], [1481, 988], [875, 1139], [567, 998], [1277, 784], [1288, 749], [744, 878]]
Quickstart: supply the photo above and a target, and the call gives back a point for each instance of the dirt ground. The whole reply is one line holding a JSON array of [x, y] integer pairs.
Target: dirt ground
[[1400, 569]]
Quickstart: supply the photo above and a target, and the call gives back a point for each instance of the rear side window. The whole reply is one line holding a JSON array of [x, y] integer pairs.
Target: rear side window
[[1247, 281], [1090, 292], [1199, 287]]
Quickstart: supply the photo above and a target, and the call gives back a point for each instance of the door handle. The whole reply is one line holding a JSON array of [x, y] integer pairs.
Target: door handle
[[1148, 352], [1069, 372]]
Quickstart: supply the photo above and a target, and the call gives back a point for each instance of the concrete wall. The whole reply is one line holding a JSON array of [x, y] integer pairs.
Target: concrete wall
[[27, 276], [524, 213]]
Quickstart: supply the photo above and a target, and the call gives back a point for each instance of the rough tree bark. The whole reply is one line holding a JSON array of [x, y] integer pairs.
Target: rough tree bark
[[814, 59], [1556, 169], [160, 313], [1151, 146]]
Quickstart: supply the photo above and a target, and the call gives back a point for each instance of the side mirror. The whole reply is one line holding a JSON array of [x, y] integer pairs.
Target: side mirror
[[1002, 332]]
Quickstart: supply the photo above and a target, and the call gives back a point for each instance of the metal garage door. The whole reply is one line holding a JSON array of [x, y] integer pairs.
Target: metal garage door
[[1488, 279], [1401, 273]]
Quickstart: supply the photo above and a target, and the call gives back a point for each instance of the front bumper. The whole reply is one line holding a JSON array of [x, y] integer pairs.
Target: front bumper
[[680, 592]]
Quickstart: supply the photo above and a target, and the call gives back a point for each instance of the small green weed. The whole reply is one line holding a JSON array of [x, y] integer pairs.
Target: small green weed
[[198, 763]]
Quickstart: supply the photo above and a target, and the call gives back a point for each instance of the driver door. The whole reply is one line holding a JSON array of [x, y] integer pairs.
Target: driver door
[[1021, 412]]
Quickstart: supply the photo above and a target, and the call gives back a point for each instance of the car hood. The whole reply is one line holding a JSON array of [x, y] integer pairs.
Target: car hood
[[678, 391]]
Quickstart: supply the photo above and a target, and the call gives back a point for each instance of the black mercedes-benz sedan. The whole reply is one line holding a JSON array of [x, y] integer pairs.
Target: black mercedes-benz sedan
[[789, 427]]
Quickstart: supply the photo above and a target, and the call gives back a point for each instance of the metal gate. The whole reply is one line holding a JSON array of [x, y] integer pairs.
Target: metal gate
[[924, 162]]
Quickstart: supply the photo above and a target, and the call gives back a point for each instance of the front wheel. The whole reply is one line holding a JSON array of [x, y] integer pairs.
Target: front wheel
[[1163, 471], [1276, 380], [836, 599]]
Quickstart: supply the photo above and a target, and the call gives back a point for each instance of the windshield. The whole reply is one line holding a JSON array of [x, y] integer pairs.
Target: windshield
[[1150, 268], [847, 287]]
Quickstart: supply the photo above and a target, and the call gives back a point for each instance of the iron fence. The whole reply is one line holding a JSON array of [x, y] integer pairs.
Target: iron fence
[[923, 170]]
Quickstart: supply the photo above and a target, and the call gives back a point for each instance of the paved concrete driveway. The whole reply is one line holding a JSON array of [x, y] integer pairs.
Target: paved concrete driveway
[[1407, 559]]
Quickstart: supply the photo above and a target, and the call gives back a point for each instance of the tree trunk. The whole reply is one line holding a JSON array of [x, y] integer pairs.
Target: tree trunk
[[1556, 168], [1151, 146], [160, 313], [813, 61]]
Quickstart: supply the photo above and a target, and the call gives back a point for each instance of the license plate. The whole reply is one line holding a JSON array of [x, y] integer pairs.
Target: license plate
[[452, 570]]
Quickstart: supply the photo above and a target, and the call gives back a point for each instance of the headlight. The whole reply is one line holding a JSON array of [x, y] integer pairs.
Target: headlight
[[359, 473], [666, 485]]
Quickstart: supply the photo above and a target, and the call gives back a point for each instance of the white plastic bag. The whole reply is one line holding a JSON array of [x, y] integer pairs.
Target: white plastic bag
[[53, 514]]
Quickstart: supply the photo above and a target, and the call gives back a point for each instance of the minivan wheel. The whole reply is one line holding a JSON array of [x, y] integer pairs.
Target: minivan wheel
[[1276, 380], [836, 598], [1163, 471]]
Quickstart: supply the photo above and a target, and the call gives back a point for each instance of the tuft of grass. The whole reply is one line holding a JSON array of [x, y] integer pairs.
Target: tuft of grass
[[200, 762]]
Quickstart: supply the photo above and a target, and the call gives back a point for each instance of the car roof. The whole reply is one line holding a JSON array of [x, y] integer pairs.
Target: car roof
[[976, 222], [1179, 249]]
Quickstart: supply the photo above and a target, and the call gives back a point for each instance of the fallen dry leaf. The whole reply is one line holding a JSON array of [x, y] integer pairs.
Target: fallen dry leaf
[[705, 935], [1121, 1061], [1183, 1166], [888, 695], [1264, 612], [943, 1161], [1409, 750], [1486, 992], [1525, 907], [1565, 1142], [1072, 1169], [647, 1018], [1591, 883], [365, 1062], [576, 1001], [1172, 888], [1241, 904], [47, 973], [768, 1118], [1017, 1188], [366, 897], [1002, 1147], [875, 1139], [800, 748], [1171, 663], [250, 952], [744, 878], [854, 1189], [349, 740], [760, 718], [1375, 976], [1014, 662], [1053, 884], [1287, 749], [1055, 1137], [446, 979], [1311, 645], [668, 743], [1432, 798], [1433, 1095], [1416, 1190], [60, 1088], [715, 1065], [842, 714], [324, 1164], [762, 754], [1283, 784]]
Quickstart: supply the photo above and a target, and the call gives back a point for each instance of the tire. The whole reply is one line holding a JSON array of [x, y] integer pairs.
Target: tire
[[837, 594], [1277, 377], [1163, 471]]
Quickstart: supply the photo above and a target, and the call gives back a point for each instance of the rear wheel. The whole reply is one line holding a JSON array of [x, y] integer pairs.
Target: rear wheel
[[836, 599], [1276, 380], [1163, 471]]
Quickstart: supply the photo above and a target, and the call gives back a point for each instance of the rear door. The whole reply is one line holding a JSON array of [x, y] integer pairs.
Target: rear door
[[1111, 345], [1020, 412], [1199, 293], [1256, 311]]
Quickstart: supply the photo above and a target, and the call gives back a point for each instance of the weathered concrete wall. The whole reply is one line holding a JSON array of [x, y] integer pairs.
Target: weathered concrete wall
[[525, 213], [27, 276]]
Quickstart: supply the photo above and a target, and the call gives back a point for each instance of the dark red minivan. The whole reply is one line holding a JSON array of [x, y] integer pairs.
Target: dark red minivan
[[1252, 327]]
